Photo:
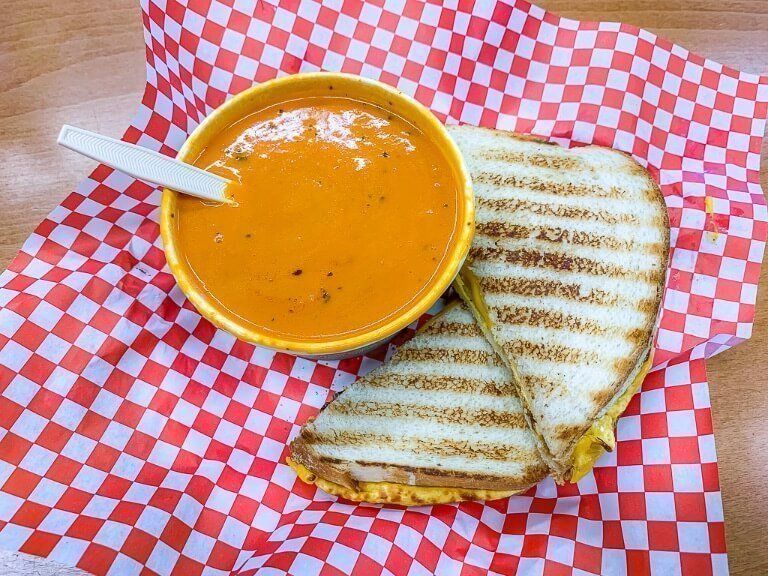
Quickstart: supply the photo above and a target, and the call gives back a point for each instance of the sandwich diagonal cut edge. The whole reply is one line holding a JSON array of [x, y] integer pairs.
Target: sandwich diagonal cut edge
[[467, 289]]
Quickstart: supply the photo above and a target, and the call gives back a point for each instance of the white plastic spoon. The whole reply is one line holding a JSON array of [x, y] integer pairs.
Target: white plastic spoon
[[145, 164]]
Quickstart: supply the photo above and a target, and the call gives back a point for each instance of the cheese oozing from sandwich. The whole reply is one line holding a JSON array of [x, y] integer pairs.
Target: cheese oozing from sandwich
[[600, 438]]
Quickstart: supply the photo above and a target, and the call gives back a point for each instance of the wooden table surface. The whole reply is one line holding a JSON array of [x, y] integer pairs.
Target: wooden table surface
[[82, 62]]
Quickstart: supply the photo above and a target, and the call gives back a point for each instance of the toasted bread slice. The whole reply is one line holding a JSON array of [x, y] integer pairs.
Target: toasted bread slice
[[439, 422], [566, 275]]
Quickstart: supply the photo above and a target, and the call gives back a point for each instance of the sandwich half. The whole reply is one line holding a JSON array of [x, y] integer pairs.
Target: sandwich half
[[565, 275], [440, 422]]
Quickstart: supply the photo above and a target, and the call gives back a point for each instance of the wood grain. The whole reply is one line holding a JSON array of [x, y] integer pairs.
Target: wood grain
[[82, 62], [79, 62]]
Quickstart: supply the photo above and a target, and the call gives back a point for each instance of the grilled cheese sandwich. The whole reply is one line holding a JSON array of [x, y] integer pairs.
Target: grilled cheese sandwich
[[439, 422], [565, 277]]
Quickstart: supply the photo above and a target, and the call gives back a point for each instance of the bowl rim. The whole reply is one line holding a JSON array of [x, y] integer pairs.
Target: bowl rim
[[463, 234]]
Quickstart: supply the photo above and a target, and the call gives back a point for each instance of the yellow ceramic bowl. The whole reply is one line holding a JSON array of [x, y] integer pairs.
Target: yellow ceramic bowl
[[289, 88]]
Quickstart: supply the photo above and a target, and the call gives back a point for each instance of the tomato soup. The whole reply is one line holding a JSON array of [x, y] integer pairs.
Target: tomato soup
[[344, 212]]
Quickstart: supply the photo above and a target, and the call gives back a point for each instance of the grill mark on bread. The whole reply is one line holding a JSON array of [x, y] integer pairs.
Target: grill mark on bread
[[458, 356], [498, 230], [567, 291], [549, 383], [533, 287], [506, 205], [433, 383], [451, 329], [602, 397], [555, 161], [638, 334], [568, 431], [538, 317], [436, 447], [547, 186], [561, 262], [580, 238], [550, 352], [441, 414], [625, 365]]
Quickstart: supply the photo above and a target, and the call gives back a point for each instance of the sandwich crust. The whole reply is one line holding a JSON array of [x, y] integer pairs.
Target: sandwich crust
[[396, 493], [345, 473]]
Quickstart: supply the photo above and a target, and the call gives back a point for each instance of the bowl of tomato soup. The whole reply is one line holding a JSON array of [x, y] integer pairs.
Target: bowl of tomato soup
[[351, 214]]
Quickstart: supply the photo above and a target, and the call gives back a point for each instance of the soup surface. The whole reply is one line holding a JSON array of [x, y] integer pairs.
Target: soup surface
[[344, 213]]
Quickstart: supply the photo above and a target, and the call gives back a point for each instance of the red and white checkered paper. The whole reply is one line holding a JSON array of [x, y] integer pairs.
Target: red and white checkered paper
[[135, 438]]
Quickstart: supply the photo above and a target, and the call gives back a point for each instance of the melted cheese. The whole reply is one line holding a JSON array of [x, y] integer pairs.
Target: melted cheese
[[709, 209], [600, 437], [468, 287], [393, 493]]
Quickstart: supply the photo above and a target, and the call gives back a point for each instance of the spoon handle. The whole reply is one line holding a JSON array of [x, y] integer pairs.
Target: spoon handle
[[145, 164]]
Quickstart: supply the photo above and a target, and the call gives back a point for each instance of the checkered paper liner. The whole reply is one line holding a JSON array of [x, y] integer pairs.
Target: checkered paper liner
[[135, 438]]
